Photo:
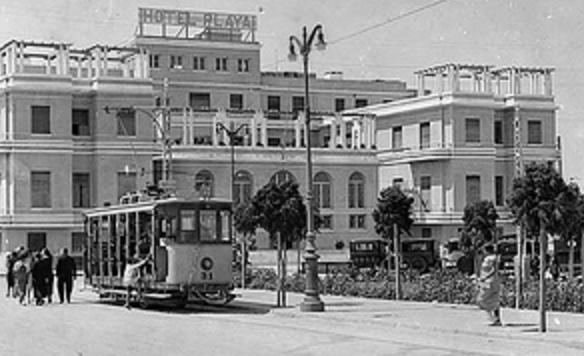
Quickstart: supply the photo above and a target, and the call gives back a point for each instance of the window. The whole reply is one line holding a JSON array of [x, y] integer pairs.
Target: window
[[339, 104], [297, 103], [243, 185], [199, 63], [236, 101], [326, 222], [273, 105], [427, 232], [425, 135], [204, 183], [322, 190], [36, 241], [126, 183], [221, 64], [357, 221], [282, 177], [359, 103], [499, 198], [356, 190], [243, 65], [396, 137], [426, 193], [81, 192], [176, 62], [41, 120], [80, 122], [200, 100], [473, 130], [473, 189], [40, 186], [154, 61], [126, 123], [208, 225], [534, 133], [498, 132], [77, 242]]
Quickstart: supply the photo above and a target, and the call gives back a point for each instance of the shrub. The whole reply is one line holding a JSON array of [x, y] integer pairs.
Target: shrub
[[445, 286]]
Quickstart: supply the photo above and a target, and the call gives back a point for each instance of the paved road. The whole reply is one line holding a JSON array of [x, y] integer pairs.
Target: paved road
[[252, 326]]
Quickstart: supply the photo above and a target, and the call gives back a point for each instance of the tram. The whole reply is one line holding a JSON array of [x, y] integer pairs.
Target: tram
[[187, 245]]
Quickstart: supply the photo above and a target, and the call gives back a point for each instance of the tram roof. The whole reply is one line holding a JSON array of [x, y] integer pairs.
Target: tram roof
[[146, 206]]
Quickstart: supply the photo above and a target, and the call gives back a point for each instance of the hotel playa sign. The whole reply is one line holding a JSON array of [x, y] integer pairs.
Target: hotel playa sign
[[212, 20]]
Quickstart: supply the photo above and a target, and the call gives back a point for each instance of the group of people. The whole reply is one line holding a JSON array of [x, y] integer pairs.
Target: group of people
[[30, 277]]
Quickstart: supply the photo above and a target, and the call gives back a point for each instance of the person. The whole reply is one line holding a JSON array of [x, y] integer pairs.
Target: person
[[10, 259], [48, 273], [21, 270], [39, 281], [65, 276], [488, 298], [133, 277]]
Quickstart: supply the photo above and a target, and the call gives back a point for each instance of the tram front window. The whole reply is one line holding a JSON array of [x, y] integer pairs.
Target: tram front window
[[188, 226], [208, 226]]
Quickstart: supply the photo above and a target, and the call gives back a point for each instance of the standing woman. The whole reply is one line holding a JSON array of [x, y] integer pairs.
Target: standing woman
[[21, 270], [488, 298]]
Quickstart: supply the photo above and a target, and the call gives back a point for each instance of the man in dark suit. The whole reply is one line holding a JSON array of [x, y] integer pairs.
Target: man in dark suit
[[65, 275]]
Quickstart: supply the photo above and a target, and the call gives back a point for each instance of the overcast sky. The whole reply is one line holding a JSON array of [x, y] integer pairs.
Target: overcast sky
[[364, 41]]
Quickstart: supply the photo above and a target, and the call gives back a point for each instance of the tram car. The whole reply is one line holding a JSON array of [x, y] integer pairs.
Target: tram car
[[186, 246]]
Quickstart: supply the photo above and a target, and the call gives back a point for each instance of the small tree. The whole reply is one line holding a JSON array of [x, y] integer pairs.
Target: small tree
[[480, 223], [280, 211], [542, 201], [392, 217]]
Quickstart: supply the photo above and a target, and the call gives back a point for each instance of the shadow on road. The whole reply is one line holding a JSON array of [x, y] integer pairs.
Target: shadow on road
[[234, 308]]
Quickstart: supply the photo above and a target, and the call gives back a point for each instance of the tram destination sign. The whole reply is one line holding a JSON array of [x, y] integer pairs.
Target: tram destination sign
[[197, 19]]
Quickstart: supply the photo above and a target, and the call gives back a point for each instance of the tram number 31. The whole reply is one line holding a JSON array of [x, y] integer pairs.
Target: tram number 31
[[207, 276]]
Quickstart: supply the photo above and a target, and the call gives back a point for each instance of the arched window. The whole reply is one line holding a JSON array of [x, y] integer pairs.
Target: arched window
[[357, 190], [242, 187], [321, 189], [204, 183], [282, 177]]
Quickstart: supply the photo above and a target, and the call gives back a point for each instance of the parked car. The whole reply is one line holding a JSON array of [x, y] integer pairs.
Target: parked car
[[417, 253]]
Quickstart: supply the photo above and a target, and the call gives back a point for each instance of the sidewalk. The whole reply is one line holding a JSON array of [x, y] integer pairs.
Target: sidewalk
[[563, 329]]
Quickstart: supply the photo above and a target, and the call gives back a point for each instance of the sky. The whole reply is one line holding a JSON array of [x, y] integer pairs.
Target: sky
[[373, 39]]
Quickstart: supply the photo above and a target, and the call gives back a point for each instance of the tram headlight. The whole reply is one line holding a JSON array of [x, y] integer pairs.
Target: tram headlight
[[206, 263]]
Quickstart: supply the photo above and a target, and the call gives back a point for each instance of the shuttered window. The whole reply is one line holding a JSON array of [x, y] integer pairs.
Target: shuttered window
[[473, 130], [473, 189]]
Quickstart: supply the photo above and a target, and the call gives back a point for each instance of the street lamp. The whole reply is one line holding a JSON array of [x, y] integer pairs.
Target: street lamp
[[311, 300], [232, 133]]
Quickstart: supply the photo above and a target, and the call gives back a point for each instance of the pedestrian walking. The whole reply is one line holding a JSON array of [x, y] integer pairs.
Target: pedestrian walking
[[65, 276], [488, 297], [21, 270], [49, 275], [10, 259], [39, 281]]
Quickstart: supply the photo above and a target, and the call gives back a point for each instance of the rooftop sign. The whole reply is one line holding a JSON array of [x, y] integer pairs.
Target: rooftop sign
[[212, 20]]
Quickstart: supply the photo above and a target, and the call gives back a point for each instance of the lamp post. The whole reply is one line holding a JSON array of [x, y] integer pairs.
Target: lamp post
[[232, 133], [312, 301]]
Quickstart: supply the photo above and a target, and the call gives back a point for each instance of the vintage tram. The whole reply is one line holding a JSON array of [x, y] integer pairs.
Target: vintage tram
[[187, 245]]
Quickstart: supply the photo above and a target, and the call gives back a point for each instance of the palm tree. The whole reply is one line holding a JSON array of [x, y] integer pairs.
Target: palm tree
[[544, 203], [393, 216]]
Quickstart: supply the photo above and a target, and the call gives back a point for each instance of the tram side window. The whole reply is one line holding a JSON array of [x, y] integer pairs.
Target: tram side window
[[225, 225], [208, 225], [188, 226]]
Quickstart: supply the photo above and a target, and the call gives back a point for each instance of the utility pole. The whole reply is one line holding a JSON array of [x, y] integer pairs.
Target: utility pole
[[519, 229]]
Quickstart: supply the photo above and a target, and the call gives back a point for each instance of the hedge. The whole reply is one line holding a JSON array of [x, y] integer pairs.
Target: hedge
[[444, 286]]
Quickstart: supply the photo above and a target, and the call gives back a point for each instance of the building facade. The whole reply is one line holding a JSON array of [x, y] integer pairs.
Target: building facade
[[467, 134], [79, 128]]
